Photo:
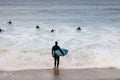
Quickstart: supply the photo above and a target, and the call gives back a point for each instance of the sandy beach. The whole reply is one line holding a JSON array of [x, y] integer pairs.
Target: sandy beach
[[61, 74]]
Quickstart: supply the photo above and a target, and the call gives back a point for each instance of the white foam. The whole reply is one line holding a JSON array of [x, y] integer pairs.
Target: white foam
[[86, 49]]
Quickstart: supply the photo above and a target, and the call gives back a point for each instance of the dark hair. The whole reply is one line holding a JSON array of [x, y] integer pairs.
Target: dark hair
[[56, 42]]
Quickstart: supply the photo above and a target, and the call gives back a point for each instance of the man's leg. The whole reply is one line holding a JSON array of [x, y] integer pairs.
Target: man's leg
[[54, 62], [58, 61]]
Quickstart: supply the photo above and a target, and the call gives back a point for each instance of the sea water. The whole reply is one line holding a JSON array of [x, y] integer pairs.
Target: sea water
[[22, 46]]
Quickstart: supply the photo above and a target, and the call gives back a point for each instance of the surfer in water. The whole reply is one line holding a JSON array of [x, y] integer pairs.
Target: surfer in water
[[10, 22], [37, 27], [56, 58], [52, 30], [1, 30]]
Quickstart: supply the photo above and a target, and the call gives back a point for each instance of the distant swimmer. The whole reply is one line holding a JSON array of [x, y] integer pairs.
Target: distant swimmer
[[52, 30], [10, 22], [1, 30], [37, 27], [78, 28]]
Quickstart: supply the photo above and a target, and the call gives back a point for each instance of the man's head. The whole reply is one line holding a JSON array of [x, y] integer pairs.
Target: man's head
[[56, 43]]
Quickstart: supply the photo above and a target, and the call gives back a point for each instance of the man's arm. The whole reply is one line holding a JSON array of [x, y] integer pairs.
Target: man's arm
[[61, 51], [52, 52]]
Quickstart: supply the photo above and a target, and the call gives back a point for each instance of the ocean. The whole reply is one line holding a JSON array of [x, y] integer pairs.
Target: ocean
[[97, 45]]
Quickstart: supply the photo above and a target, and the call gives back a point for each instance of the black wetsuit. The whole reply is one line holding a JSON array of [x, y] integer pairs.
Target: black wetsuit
[[56, 58]]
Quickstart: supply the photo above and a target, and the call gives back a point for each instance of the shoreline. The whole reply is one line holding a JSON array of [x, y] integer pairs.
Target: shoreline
[[62, 74], [60, 68]]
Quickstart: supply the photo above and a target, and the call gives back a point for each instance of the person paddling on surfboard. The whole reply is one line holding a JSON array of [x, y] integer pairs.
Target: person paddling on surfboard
[[56, 58]]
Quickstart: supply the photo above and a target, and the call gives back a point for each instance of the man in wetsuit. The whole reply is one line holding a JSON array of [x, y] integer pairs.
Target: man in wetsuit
[[56, 58]]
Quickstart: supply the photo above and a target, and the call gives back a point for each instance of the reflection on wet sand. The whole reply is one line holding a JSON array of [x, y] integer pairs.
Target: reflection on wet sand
[[56, 72]]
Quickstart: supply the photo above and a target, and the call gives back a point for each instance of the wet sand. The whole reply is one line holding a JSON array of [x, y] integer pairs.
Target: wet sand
[[61, 74]]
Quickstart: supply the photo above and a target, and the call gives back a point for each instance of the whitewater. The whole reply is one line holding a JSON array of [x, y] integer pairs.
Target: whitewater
[[97, 45]]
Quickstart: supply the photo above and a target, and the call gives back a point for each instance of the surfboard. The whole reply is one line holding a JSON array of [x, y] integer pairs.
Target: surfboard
[[58, 52]]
